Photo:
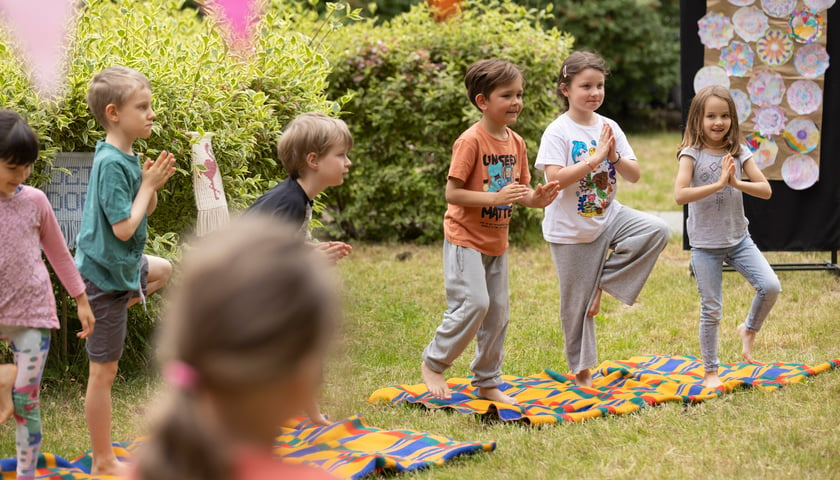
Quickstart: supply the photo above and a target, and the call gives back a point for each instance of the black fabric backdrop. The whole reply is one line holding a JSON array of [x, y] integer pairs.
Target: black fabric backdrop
[[792, 219]]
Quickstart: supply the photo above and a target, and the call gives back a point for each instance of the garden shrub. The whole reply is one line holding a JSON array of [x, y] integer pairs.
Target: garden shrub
[[198, 85], [409, 105]]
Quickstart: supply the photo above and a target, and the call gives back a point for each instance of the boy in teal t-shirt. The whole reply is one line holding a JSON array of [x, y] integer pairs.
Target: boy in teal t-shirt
[[110, 245]]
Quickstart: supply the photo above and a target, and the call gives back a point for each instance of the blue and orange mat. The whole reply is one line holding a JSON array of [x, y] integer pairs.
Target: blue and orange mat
[[619, 387]]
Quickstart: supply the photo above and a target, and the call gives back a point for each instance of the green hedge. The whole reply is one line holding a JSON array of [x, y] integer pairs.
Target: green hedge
[[409, 105], [197, 86]]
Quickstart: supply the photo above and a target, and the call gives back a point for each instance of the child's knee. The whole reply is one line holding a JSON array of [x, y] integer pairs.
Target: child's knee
[[662, 232], [102, 374], [159, 270], [770, 288]]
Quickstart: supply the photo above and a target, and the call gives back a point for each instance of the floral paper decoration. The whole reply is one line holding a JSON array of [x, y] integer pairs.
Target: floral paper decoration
[[805, 26], [766, 88], [737, 59], [770, 120], [804, 97], [800, 171], [742, 104], [741, 3], [801, 135], [811, 61], [750, 23], [775, 47], [708, 76], [764, 149], [715, 30], [819, 5], [778, 8]]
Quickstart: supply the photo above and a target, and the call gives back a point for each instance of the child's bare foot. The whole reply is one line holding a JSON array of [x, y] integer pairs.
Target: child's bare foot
[[435, 383], [747, 340], [8, 374], [111, 468], [583, 378], [711, 380], [495, 395], [595, 307], [319, 419]]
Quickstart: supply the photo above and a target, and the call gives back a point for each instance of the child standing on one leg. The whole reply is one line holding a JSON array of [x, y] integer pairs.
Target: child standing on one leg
[[27, 304], [488, 174], [109, 255], [313, 150], [585, 153], [712, 163], [243, 347]]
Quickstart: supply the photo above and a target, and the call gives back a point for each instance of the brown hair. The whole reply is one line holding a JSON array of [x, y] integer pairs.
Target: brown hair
[[574, 64], [310, 133], [113, 86], [693, 135], [253, 301], [18, 142], [484, 76]]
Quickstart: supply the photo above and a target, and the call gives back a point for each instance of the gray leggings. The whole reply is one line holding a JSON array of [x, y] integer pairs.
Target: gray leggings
[[636, 240], [478, 307]]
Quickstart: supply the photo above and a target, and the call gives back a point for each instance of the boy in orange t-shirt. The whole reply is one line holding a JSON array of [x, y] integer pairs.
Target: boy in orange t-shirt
[[488, 174]]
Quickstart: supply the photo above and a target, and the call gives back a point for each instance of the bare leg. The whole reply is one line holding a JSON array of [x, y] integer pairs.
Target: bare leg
[[435, 382], [711, 379], [747, 340], [584, 377], [98, 416], [8, 374], [159, 271], [596, 305], [495, 395]]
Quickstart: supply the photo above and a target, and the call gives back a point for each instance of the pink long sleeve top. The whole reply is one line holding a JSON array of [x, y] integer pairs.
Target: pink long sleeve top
[[27, 223]]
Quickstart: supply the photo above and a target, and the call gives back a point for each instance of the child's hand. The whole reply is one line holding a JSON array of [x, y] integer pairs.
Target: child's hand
[[545, 194], [85, 316], [314, 414], [512, 193], [727, 170], [334, 251], [157, 172], [606, 144]]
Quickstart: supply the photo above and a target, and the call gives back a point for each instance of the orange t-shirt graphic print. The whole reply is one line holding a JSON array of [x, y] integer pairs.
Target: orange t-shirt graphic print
[[485, 164]]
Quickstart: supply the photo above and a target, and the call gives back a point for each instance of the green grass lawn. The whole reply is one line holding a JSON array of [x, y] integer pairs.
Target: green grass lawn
[[392, 308], [657, 154]]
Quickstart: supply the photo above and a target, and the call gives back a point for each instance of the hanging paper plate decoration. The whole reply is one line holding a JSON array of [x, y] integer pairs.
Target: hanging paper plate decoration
[[764, 149], [737, 59], [715, 30], [804, 96], [805, 26], [778, 8], [766, 88], [800, 171], [811, 61], [710, 75], [769, 120], [775, 47], [802, 135], [819, 5], [742, 104], [741, 3], [750, 23]]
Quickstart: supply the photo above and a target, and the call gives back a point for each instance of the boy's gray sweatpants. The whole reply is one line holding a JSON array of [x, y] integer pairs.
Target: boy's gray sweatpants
[[636, 240], [477, 307]]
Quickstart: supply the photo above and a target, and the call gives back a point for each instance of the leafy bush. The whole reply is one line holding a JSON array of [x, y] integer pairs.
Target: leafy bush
[[198, 85], [409, 105]]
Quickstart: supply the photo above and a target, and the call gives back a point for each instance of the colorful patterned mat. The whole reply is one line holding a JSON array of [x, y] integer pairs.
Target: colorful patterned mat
[[347, 449], [618, 387]]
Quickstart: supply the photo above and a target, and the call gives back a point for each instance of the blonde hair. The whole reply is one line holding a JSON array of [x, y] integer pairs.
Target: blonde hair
[[484, 76], [693, 135], [114, 85], [310, 133], [574, 64], [254, 300]]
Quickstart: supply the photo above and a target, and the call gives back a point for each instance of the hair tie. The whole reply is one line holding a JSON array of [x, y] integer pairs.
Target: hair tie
[[180, 375]]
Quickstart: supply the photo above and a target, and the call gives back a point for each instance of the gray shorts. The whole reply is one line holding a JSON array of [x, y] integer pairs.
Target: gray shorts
[[110, 309]]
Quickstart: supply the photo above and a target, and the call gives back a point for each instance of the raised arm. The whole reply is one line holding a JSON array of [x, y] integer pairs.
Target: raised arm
[[155, 175], [757, 186], [456, 194]]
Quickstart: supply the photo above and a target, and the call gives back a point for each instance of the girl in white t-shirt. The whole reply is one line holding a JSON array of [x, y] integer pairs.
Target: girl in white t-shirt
[[596, 243]]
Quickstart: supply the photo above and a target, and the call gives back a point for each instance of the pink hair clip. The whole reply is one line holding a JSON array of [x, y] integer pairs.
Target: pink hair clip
[[180, 375]]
